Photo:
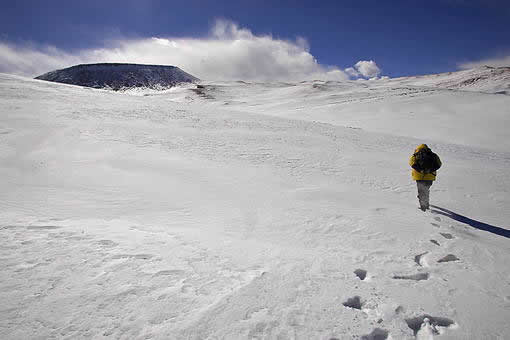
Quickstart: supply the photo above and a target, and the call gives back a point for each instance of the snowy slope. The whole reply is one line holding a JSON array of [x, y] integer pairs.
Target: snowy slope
[[242, 211], [385, 106], [483, 79]]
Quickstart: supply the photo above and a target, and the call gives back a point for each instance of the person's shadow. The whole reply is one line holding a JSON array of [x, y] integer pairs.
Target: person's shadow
[[475, 224]]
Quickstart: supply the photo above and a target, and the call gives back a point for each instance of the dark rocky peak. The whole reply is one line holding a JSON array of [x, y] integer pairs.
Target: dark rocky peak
[[117, 76]]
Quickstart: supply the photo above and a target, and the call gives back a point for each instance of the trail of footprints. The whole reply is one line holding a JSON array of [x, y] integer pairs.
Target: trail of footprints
[[356, 302], [415, 323]]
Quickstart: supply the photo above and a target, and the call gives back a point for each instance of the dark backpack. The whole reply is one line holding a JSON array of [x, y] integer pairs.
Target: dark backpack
[[426, 161]]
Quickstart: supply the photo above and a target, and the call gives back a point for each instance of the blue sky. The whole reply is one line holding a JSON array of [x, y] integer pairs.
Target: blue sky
[[401, 37]]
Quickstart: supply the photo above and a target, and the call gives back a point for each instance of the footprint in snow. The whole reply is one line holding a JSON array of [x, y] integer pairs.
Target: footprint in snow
[[413, 277], [354, 302], [427, 321], [361, 273], [420, 260], [447, 236], [377, 334], [448, 258]]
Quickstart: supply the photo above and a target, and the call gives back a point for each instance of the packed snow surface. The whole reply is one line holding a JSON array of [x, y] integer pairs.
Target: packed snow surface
[[120, 77], [252, 211]]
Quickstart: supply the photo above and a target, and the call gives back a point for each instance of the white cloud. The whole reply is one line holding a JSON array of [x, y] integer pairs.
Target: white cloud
[[495, 62], [352, 72], [31, 61], [367, 69], [229, 53]]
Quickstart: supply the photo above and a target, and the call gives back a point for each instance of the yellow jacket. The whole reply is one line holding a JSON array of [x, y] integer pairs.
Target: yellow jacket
[[420, 176]]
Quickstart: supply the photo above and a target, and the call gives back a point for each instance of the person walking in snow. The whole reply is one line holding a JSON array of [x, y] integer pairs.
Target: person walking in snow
[[425, 163]]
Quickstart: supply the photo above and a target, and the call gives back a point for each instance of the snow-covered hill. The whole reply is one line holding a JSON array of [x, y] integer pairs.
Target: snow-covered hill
[[120, 76], [393, 106], [252, 211], [484, 79]]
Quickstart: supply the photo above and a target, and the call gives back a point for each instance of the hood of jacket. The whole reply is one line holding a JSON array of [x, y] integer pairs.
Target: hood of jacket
[[421, 147]]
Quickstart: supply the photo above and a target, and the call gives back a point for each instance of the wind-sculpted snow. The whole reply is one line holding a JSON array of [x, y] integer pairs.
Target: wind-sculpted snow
[[120, 76], [229, 212]]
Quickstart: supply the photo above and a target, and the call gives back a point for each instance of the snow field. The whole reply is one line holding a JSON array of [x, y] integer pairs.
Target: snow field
[[177, 216]]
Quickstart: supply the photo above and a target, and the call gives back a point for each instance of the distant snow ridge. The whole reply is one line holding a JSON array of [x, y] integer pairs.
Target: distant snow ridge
[[483, 79], [120, 77]]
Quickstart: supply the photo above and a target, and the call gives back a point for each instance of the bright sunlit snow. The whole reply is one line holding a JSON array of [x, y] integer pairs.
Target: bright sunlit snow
[[254, 210]]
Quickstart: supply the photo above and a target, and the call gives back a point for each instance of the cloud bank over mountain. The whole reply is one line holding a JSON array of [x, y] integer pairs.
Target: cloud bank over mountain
[[229, 52]]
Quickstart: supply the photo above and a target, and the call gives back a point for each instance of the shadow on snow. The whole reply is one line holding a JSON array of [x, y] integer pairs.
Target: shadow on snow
[[475, 224]]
